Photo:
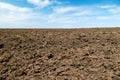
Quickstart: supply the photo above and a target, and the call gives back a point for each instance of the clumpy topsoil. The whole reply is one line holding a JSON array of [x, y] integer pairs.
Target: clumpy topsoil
[[54, 54]]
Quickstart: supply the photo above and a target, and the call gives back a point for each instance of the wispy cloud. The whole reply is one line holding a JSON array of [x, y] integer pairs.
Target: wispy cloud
[[40, 3], [10, 7], [62, 10], [43, 3], [10, 13], [107, 6], [112, 9], [115, 10]]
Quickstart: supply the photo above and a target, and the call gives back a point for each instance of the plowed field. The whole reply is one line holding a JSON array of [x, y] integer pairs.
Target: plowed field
[[60, 54]]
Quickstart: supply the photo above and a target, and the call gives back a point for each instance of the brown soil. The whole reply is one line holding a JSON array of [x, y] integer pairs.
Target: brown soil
[[76, 54]]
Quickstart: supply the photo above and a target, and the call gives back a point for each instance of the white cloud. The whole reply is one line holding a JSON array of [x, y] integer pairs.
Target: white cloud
[[103, 17], [62, 10], [109, 17], [10, 13], [70, 14], [6, 6], [107, 6], [114, 10], [84, 15], [40, 3], [76, 10]]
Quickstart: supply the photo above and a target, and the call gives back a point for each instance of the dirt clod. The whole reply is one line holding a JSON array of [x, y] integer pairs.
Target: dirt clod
[[50, 56], [1, 45]]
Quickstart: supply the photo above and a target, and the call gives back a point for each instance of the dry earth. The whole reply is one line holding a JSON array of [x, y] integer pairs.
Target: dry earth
[[54, 54]]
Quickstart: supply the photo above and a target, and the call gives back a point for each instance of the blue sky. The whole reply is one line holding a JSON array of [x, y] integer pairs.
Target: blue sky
[[59, 13]]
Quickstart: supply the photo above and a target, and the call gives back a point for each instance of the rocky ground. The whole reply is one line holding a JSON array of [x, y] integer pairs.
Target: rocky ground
[[54, 54]]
